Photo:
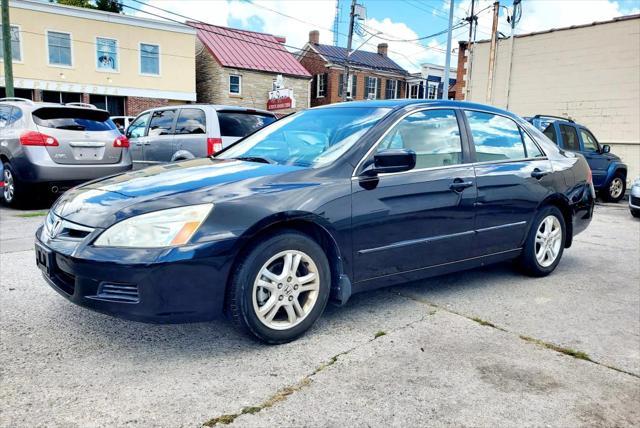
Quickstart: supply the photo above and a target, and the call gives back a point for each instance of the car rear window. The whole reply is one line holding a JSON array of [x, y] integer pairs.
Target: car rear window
[[240, 124], [74, 119]]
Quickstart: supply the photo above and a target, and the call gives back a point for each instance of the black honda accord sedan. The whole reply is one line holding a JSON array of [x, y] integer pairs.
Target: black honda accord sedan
[[322, 204]]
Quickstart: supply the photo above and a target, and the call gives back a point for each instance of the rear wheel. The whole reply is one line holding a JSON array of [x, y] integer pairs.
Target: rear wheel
[[280, 288], [616, 188], [545, 244], [14, 191]]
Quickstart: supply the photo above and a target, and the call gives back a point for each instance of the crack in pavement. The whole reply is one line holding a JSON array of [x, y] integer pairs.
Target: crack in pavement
[[562, 350], [283, 393]]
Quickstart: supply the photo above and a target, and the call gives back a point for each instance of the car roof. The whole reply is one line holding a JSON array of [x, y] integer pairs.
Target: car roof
[[34, 105], [216, 107], [398, 104]]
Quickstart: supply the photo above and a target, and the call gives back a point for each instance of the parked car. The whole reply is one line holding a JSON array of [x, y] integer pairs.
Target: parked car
[[122, 122], [634, 198], [190, 131], [609, 172], [324, 203], [55, 146]]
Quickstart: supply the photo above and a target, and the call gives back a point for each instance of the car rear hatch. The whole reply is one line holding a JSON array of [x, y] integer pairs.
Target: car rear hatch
[[236, 124], [83, 135]]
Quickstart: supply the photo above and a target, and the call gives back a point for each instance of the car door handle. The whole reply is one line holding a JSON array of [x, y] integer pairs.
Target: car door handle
[[459, 185], [538, 174]]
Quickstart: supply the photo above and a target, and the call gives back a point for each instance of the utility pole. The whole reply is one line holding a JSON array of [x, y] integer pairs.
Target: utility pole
[[6, 45], [514, 20], [447, 61], [345, 80], [472, 20], [492, 50]]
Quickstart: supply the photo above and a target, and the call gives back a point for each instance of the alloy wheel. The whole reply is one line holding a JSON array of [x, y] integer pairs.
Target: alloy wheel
[[615, 188], [548, 241], [286, 289], [9, 186]]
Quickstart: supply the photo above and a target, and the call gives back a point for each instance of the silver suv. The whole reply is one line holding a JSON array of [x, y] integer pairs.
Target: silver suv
[[190, 131], [54, 147]]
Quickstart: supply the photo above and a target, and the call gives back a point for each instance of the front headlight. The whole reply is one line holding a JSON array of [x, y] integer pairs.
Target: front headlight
[[165, 228]]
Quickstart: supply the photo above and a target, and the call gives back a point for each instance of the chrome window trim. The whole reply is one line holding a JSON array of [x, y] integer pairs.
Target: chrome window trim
[[393, 125]]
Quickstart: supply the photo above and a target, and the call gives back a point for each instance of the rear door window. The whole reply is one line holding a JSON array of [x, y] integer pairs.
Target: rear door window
[[532, 149], [569, 138], [191, 121], [240, 124], [550, 133], [162, 123], [495, 137], [73, 119]]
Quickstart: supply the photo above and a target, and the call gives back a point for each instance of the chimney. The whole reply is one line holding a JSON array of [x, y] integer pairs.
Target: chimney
[[382, 49], [314, 37]]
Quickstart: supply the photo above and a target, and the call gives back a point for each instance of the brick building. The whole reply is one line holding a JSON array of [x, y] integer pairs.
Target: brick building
[[122, 63], [372, 75], [586, 72], [248, 69]]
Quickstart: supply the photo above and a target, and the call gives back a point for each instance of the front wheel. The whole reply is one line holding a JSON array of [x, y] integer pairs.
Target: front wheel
[[14, 190], [545, 243], [615, 190], [280, 288]]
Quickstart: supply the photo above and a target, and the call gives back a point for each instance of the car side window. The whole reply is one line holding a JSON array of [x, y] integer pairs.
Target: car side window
[[5, 114], [161, 123], [495, 137], [136, 129], [569, 138], [533, 151], [589, 142], [434, 135], [191, 121], [550, 133]]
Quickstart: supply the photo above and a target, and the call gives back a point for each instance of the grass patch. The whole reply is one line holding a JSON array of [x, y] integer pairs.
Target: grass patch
[[33, 214], [379, 334], [567, 351]]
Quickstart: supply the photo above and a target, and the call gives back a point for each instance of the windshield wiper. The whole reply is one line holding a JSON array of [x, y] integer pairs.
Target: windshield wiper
[[255, 159]]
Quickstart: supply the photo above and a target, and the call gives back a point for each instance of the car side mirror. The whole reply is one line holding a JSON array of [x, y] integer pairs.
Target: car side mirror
[[606, 148], [392, 160]]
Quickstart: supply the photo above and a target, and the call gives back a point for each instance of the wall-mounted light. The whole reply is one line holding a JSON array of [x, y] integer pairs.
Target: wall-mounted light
[[109, 79], [62, 76]]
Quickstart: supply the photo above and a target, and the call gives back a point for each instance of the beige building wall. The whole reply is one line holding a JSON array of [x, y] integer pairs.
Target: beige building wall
[[591, 74], [177, 56], [212, 85]]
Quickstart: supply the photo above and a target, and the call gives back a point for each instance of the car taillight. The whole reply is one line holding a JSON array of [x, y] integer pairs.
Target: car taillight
[[214, 145], [121, 141], [33, 138], [589, 176]]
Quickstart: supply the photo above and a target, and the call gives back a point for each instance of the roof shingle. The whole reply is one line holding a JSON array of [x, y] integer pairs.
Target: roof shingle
[[359, 59], [248, 50]]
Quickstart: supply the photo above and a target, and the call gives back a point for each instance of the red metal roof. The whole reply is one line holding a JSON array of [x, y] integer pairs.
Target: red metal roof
[[248, 50]]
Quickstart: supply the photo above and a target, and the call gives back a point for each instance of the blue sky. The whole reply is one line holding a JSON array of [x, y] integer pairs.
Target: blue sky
[[396, 19]]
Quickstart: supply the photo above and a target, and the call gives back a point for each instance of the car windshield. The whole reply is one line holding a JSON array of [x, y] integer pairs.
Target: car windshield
[[311, 138]]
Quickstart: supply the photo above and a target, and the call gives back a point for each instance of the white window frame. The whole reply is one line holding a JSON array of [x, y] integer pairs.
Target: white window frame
[[375, 89], [140, 59], [46, 43], [349, 85], [13, 59], [239, 93], [320, 84], [435, 86], [395, 88], [103, 70]]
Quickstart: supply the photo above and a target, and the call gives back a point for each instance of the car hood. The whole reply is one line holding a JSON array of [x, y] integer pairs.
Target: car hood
[[103, 202]]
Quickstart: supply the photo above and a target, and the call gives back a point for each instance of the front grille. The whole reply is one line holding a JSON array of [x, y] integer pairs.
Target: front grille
[[118, 292], [58, 227], [64, 281], [635, 200]]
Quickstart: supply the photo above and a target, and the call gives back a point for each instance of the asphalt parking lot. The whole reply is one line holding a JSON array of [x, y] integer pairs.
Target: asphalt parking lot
[[481, 348]]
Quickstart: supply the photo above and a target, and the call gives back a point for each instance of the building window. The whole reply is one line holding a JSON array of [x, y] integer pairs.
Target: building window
[[351, 86], [391, 90], [59, 48], [149, 59], [321, 85], [16, 51], [371, 89], [106, 54], [113, 104], [61, 97], [235, 84], [432, 90]]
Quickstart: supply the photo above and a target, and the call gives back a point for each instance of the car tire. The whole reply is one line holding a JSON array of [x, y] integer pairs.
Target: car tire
[[14, 191], [614, 191], [272, 299], [544, 245]]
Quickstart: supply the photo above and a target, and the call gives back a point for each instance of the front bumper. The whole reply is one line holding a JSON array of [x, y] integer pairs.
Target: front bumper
[[634, 198], [160, 286]]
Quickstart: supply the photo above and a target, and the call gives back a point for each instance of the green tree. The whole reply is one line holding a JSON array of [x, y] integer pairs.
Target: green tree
[[77, 3], [107, 5]]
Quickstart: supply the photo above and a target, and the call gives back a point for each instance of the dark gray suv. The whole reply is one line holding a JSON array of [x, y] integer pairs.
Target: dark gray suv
[[46, 146]]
